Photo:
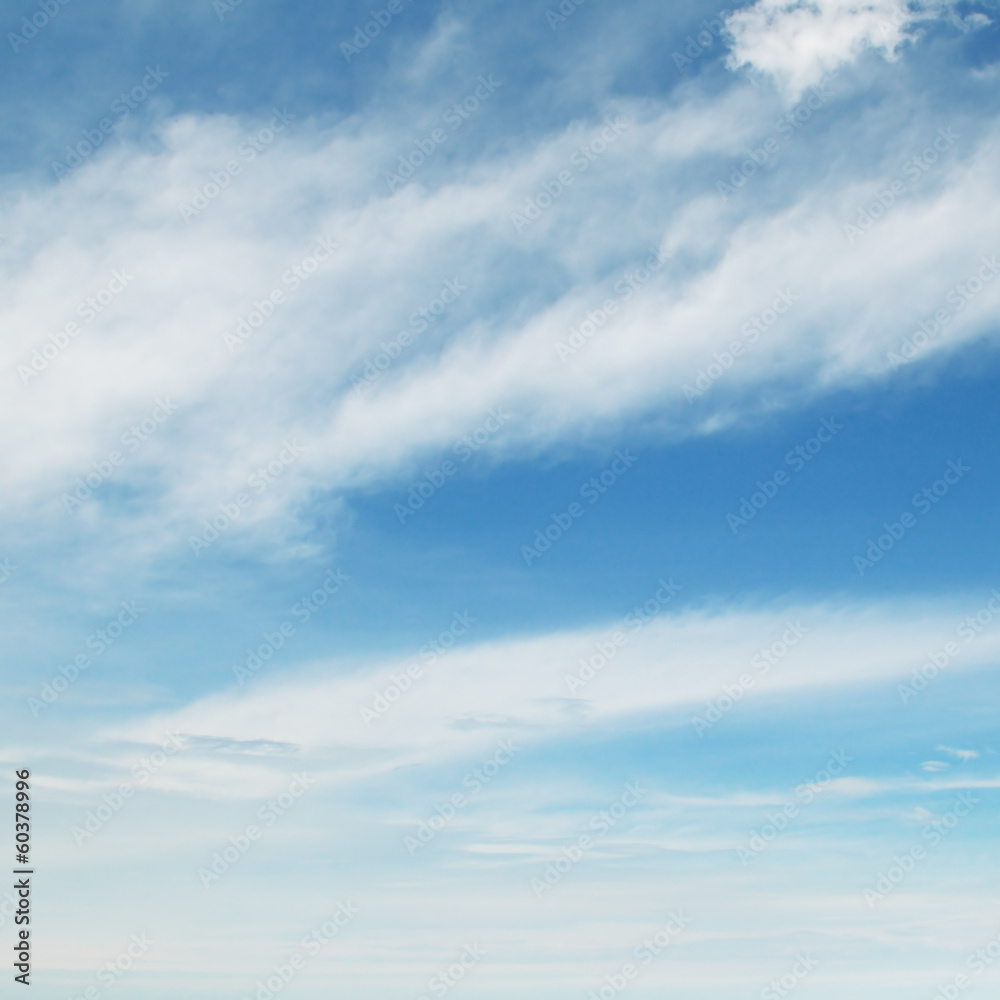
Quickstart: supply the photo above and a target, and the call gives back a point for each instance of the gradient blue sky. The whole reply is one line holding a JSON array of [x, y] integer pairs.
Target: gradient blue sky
[[830, 108]]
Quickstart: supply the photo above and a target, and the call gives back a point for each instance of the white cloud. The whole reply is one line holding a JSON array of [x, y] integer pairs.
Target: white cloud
[[482, 863], [799, 43], [163, 336], [463, 703]]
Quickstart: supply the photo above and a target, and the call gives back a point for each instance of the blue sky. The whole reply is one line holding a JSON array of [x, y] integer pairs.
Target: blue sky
[[542, 422]]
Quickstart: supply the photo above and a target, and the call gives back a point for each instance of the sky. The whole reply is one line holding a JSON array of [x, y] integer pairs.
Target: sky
[[497, 497]]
